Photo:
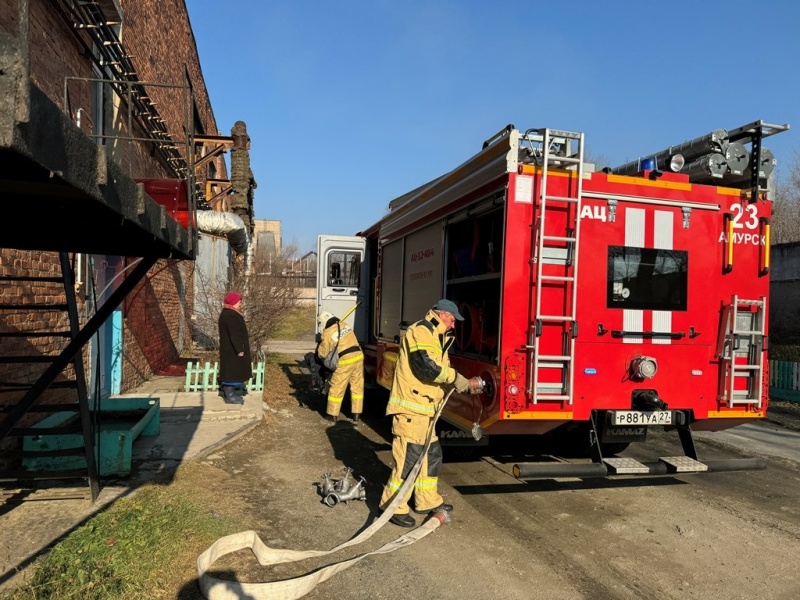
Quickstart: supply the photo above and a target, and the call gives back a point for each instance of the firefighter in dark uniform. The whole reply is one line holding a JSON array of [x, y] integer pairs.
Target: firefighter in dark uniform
[[423, 373], [350, 370]]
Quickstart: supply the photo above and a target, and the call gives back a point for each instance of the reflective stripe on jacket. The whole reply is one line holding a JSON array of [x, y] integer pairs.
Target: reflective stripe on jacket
[[423, 368], [349, 350]]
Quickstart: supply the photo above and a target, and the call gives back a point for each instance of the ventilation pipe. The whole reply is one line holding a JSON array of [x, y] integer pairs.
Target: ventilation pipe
[[225, 224]]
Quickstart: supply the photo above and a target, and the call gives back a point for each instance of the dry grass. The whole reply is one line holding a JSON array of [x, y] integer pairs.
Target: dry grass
[[146, 545], [143, 546], [298, 324]]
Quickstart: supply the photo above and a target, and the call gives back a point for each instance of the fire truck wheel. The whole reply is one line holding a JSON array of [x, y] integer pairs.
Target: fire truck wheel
[[459, 453], [570, 441], [611, 449], [575, 442]]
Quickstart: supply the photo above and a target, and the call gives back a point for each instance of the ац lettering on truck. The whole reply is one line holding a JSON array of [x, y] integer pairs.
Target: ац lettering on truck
[[597, 304]]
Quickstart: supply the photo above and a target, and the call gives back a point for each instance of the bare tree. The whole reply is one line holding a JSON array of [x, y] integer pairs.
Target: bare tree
[[268, 294], [786, 205], [208, 295], [599, 160], [784, 297]]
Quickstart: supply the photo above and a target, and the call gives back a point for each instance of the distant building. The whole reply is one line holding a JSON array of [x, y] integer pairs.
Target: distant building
[[308, 263], [266, 241], [784, 306]]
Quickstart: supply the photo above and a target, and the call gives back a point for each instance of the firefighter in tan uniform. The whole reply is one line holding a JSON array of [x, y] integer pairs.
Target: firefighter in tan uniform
[[423, 373], [350, 370]]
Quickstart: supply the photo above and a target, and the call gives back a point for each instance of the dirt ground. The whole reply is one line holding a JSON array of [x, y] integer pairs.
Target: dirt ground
[[784, 414], [724, 535]]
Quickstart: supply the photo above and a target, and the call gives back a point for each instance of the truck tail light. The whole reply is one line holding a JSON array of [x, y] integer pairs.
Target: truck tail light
[[512, 377], [513, 401], [513, 372]]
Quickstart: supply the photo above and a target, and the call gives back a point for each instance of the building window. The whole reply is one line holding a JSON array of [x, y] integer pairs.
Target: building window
[[100, 96]]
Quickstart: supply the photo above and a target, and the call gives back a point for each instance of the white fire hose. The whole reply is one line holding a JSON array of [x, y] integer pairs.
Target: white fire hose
[[213, 588]]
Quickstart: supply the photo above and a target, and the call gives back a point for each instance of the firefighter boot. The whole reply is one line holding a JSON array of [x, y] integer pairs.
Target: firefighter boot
[[443, 506], [403, 520]]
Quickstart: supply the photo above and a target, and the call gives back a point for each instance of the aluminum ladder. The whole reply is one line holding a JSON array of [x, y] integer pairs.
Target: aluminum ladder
[[556, 152], [742, 336]]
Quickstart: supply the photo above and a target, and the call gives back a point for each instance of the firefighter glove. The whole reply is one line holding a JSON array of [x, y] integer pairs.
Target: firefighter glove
[[462, 384]]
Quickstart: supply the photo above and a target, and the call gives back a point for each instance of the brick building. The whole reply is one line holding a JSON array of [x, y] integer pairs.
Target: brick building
[[267, 245], [108, 143]]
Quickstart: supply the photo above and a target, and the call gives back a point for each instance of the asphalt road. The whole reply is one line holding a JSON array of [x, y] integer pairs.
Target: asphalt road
[[720, 535]]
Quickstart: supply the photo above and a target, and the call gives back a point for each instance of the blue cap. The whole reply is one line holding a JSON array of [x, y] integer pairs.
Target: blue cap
[[449, 306]]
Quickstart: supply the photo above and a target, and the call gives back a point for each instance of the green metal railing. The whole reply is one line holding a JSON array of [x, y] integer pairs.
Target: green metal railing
[[784, 380], [203, 377]]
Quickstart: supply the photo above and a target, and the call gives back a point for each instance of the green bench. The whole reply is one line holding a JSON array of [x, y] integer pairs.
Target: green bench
[[121, 421]]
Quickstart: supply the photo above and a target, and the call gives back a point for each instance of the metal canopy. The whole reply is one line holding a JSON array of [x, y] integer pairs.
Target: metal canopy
[[60, 193]]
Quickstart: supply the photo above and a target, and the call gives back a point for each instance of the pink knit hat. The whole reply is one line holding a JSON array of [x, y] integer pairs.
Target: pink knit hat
[[232, 298]]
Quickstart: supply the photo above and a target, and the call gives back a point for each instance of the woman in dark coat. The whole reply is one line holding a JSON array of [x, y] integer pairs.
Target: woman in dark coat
[[235, 363]]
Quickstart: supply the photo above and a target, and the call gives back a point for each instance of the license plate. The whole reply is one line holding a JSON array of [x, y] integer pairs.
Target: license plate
[[641, 417]]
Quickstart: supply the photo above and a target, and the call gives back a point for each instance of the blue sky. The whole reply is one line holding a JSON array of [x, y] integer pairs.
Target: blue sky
[[351, 103]]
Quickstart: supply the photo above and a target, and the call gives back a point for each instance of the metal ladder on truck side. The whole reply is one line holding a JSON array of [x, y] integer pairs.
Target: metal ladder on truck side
[[742, 336], [561, 248]]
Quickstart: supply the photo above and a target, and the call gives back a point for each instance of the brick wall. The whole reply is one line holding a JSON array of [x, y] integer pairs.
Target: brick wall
[[160, 37], [156, 321], [167, 54], [15, 263], [56, 54]]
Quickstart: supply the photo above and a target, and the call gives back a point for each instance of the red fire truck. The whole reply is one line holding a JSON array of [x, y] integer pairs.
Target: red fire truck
[[597, 303]]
